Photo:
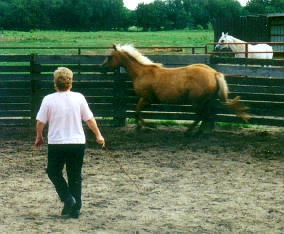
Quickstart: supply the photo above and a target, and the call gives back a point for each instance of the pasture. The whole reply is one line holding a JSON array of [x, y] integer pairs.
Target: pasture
[[228, 182], [98, 39]]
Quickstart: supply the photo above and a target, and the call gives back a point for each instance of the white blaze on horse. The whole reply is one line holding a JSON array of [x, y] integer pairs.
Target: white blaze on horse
[[254, 51]]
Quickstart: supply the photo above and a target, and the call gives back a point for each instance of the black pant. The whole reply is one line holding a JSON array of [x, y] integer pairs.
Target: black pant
[[73, 156]]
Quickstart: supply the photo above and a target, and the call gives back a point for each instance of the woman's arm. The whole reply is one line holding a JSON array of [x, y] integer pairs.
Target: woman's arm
[[39, 130], [92, 124]]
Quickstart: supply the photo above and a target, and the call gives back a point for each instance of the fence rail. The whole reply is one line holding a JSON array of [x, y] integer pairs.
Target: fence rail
[[80, 49], [276, 52], [26, 79]]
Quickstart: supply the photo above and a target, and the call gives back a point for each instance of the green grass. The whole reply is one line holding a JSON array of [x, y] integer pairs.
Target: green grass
[[98, 39], [233, 125], [162, 122]]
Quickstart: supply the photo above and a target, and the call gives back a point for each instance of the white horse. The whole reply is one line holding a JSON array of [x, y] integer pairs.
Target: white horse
[[225, 38]]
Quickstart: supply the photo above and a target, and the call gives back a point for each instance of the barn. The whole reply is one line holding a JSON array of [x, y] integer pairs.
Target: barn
[[255, 28]]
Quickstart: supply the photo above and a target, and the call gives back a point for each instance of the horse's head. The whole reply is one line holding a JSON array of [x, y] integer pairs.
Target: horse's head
[[222, 42], [112, 61]]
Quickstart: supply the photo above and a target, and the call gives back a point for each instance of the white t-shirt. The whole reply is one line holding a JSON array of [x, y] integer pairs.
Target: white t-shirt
[[64, 111]]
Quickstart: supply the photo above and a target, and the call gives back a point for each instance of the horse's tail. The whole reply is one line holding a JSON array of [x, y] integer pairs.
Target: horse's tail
[[234, 105]]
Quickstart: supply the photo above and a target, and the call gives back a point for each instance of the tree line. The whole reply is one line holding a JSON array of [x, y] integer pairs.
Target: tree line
[[96, 15]]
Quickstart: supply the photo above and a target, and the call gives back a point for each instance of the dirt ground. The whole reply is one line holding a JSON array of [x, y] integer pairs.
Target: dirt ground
[[229, 181]]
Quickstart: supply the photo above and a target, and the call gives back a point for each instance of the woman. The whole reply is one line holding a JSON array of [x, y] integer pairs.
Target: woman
[[64, 111]]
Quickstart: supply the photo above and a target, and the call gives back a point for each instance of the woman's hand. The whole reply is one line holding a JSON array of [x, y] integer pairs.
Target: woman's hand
[[38, 142], [101, 141]]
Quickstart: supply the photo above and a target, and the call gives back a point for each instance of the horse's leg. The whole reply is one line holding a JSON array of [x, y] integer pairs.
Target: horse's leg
[[198, 118], [211, 115], [207, 114], [141, 105]]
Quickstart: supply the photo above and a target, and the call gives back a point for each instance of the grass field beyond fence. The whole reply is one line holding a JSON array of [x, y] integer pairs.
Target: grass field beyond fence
[[97, 39]]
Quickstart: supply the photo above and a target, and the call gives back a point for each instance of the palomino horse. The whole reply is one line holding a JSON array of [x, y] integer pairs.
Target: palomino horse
[[197, 84], [226, 41]]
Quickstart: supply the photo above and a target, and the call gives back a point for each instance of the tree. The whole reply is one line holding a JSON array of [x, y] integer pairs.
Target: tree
[[278, 5], [82, 15], [145, 16], [177, 14], [108, 14], [255, 7], [39, 14], [224, 9], [17, 16], [129, 19], [161, 12], [199, 12]]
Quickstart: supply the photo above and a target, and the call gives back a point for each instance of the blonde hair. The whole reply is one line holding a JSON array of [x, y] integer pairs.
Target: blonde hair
[[63, 78]]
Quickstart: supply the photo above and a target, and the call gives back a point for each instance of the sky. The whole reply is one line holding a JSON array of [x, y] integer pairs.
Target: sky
[[132, 4]]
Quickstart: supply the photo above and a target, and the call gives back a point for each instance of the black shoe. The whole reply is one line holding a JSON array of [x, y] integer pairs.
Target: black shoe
[[68, 204], [75, 213]]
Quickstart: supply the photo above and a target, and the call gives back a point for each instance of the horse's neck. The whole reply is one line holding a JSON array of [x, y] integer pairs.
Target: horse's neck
[[132, 67], [236, 47]]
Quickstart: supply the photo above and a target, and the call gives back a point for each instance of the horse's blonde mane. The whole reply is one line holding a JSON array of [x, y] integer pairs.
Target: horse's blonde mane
[[133, 52]]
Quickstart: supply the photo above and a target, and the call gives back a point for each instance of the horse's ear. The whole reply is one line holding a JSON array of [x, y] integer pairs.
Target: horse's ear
[[227, 34], [114, 46], [222, 33]]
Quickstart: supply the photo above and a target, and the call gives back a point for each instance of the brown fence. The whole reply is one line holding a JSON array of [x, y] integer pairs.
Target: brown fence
[[26, 79]]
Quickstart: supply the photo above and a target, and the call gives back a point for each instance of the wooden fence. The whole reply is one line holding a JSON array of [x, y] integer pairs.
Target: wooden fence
[[26, 79]]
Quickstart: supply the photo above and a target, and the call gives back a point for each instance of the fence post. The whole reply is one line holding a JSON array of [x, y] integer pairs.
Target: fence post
[[119, 98], [34, 71]]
